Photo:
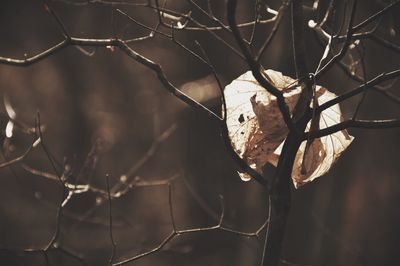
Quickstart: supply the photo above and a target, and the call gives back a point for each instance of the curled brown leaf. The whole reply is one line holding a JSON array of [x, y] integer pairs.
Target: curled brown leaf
[[257, 129]]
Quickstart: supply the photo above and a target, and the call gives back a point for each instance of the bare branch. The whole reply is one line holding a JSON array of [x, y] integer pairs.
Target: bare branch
[[101, 2], [266, 244], [255, 67], [21, 157], [349, 33], [154, 250], [170, 37], [278, 18], [171, 209], [299, 49], [375, 16], [127, 50], [57, 19], [46, 150], [31, 60], [240, 25], [114, 245], [361, 54], [385, 43], [128, 177], [176, 233], [351, 74], [378, 79], [379, 88], [220, 87], [365, 124]]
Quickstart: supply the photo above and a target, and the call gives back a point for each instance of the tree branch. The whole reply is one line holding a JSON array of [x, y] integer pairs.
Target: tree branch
[[298, 38], [124, 48], [365, 124], [281, 12], [255, 66], [378, 79], [349, 33]]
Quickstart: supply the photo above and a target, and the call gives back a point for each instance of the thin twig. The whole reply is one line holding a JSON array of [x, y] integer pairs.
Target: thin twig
[[64, 193], [256, 68], [375, 16], [101, 2], [266, 231], [219, 83], [128, 177], [170, 205], [365, 124], [127, 50], [337, 57], [299, 48], [281, 12], [381, 89], [375, 81], [176, 233], [46, 150], [114, 245], [361, 54], [21, 157], [56, 18]]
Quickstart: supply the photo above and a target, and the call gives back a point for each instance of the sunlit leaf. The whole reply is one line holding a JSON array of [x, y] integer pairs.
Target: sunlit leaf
[[257, 129], [324, 151]]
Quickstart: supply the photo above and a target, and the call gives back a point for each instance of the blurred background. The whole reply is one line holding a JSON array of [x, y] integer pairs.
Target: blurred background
[[103, 113]]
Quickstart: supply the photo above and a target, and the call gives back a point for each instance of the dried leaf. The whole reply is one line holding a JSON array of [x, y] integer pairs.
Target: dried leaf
[[257, 129], [325, 150]]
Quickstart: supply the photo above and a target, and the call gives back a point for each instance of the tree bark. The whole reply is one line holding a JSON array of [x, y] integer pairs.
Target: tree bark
[[280, 201]]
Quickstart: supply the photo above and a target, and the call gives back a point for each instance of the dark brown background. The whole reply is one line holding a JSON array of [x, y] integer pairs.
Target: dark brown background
[[348, 217]]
